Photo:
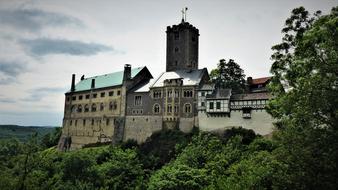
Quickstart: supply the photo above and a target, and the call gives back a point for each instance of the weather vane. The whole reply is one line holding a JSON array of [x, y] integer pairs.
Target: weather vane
[[184, 14]]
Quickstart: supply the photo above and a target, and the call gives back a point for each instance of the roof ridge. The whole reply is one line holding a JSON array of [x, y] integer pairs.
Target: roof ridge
[[158, 78], [111, 73]]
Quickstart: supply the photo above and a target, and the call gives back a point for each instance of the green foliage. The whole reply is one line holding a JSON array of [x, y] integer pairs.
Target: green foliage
[[22, 133], [52, 139], [229, 75], [306, 65], [161, 147]]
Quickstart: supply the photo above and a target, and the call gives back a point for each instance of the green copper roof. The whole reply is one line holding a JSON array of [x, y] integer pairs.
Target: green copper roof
[[101, 81]]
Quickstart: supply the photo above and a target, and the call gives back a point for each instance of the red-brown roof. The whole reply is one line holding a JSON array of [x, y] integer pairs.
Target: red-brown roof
[[260, 80]]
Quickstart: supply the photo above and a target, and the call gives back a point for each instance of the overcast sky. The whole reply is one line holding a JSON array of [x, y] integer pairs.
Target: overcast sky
[[42, 42]]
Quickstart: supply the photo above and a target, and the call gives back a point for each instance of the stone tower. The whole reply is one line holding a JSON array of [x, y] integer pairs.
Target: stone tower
[[182, 47]]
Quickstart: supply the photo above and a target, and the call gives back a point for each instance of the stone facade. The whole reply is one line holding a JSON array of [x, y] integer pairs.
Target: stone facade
[[219, 110], [130, 104], [169, 101], [182, 47], [95, 111]]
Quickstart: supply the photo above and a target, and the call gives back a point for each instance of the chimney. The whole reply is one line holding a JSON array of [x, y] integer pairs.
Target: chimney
[[93, 83], [249, 80], [82, 77], [72, 88], [127, 72]]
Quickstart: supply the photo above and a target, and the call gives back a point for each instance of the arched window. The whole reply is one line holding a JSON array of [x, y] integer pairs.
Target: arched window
[[156, 108], [79, 108], [73, 109], [86, 108], [169, 108], [187, 108], [114, 105], [93, 107], [101, 107]]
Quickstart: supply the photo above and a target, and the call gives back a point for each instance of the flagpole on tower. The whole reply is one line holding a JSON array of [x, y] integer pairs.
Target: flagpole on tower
[[184, 14]]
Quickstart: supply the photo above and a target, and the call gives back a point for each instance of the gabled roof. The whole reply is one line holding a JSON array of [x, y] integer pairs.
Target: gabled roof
[[107, 80], [190, 77], [144, 87], [220, 93], [260, 80]]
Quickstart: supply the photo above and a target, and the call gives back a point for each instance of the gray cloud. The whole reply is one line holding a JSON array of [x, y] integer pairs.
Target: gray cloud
[[5, 100], [34, 20], [9, 70], [46, 46], [38, 93]]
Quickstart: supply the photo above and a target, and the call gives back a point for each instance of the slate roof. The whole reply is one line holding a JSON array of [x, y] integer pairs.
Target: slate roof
[[252, 96], [107, 80], [144, 87], [220, 93], [207, 86], [190, 77]]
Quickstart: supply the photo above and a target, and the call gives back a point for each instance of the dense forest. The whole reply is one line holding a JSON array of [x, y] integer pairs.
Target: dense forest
[[301, 154], [22, 133]]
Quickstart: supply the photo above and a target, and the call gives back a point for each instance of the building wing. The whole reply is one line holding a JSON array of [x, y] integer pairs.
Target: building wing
[[107, 80]]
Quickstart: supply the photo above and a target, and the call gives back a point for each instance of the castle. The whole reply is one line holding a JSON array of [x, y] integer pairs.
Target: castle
[[131, 104]]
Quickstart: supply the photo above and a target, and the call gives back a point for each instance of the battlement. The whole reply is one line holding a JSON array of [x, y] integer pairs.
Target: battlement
[[182, 26]]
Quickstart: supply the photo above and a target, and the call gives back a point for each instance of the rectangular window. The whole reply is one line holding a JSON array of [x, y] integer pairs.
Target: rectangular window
[[87, 96], [138, 100], [176, 108], [247, 113], [211, 105], [67, 99], [103, 94], [118, 93], [176, 36], [74, 98], [218, 105], [80, 97], [202, 104], [157, 94], [177, 94], [94, 95], [170, 94], [169, 108], [187, 93], [203, 93], [111, 93]]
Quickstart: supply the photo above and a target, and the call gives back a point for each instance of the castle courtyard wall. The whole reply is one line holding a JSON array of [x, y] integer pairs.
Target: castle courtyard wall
[[261, 122]]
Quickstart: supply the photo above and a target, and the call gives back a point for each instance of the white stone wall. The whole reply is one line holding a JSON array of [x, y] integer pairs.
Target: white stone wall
[[260, 121], [140, 128]]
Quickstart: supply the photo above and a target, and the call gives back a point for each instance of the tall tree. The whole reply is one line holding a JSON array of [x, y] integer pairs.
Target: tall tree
[[229, 75], [304, 83]]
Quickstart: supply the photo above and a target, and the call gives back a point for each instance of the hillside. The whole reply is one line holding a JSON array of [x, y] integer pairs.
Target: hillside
[[23, 132]]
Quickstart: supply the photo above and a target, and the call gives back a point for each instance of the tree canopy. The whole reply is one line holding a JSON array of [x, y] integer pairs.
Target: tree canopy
[[228, 75]]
